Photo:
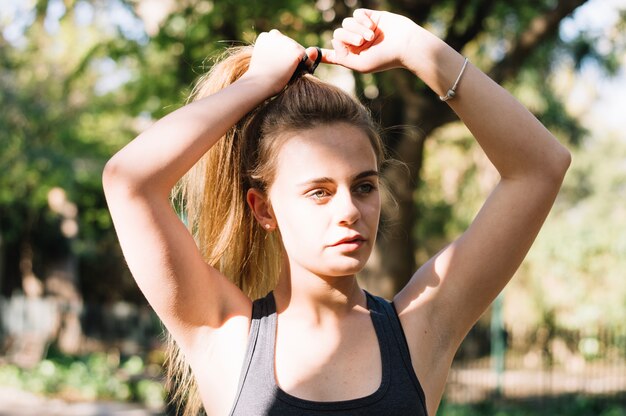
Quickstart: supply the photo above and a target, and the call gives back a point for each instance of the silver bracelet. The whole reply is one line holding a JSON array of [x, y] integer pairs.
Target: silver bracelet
[[452, 91]]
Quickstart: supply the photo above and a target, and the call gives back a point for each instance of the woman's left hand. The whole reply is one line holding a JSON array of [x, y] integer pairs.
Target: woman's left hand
[[371, 41]]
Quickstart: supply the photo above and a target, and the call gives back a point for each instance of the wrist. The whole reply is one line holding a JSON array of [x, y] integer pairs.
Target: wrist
[[432, 60], [258, 87], [422, 50]]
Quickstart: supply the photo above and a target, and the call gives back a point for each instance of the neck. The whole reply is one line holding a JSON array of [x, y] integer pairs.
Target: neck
[[316, 299]]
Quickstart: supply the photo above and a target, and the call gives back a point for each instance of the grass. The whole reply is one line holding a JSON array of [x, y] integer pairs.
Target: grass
[[96, 376]]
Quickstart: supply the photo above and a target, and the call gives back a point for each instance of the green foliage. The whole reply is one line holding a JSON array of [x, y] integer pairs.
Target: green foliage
[[548, 107], [75, 91], [455, 181], [94, 377], [573, 276], [60, 125], [579, 257], [191, 35], [60, 122]]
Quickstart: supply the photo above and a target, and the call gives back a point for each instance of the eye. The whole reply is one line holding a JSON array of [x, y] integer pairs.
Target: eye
[[319, 194], [364, 188]]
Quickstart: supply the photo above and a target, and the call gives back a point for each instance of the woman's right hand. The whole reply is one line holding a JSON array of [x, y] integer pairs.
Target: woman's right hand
[[274, 60], [372, 41]]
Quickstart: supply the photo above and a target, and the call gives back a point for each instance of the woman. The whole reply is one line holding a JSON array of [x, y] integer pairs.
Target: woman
[[283, 196]]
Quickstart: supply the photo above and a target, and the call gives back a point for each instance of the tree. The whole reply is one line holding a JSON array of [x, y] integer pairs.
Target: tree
[[61, 125], [58, 127], [516, 43], [582, 282]]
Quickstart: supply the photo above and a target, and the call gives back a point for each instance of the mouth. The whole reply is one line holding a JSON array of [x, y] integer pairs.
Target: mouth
[[352, 241]]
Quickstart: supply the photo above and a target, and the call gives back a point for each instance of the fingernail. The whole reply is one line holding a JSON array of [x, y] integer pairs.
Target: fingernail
[[369, 35]]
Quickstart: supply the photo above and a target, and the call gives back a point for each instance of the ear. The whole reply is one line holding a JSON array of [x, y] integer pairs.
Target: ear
[[261, 208]]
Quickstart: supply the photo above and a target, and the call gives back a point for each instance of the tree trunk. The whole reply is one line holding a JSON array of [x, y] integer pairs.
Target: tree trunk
[[63, 286], [62, 279], [417, 112]]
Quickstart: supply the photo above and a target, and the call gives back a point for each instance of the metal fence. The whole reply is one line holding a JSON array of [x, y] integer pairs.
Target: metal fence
[[28, 326], [541, 363]]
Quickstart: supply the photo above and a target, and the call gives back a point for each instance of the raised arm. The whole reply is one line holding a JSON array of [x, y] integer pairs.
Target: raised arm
[[531, 163], [186, 293], [446, 296]]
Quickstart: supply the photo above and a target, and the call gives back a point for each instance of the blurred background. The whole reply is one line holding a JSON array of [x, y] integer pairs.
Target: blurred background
[[80, 78]]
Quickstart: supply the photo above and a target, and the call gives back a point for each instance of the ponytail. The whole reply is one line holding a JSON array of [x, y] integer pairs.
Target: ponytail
[[213, 196], [211, 199]]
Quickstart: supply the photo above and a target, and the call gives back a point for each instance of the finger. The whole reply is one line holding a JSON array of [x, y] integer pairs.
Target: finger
[[355, 26], [373, 15], [361, 16], [347, 37], [275, 32], [340, 49], [311, 53], [314, 56], [328, 56]]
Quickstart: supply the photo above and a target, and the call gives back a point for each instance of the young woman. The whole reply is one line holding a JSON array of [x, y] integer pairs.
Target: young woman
[[282, 196]]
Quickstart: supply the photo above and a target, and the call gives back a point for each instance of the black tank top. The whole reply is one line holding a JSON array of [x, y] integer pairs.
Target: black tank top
[[258, 394]]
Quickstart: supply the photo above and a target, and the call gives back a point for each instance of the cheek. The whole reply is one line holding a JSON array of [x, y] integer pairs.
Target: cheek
[[300, 225], [371, 208]]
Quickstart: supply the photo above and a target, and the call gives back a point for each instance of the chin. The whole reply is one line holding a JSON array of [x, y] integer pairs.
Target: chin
[[349, 268], [336, 266]]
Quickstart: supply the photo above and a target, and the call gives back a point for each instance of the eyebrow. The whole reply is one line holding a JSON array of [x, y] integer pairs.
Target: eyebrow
[[361, 175]]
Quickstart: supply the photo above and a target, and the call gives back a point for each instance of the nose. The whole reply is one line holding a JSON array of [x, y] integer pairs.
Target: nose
[[346, 208]]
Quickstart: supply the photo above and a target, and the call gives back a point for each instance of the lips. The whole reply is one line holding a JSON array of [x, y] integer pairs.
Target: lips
[[354, 239]]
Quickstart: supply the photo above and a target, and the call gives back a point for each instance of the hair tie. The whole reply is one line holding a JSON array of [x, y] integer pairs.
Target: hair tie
[[303, 68], [317, 61]]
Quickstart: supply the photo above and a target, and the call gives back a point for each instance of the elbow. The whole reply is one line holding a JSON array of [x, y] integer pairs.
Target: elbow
[[553, 170], [549, 169], [561, 163], [121, 178], [112, 175], [117, 178]]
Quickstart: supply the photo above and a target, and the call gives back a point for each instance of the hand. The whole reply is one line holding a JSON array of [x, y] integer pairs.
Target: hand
[[371, 41], [274, 59]]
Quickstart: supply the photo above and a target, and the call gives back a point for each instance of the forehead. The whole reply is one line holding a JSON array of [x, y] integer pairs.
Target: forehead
[[336, 150]]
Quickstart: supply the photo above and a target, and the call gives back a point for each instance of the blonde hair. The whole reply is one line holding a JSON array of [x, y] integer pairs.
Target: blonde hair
[[212, 195]]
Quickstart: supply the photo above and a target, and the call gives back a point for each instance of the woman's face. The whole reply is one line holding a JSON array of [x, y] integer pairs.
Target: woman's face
[[325, 199]]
